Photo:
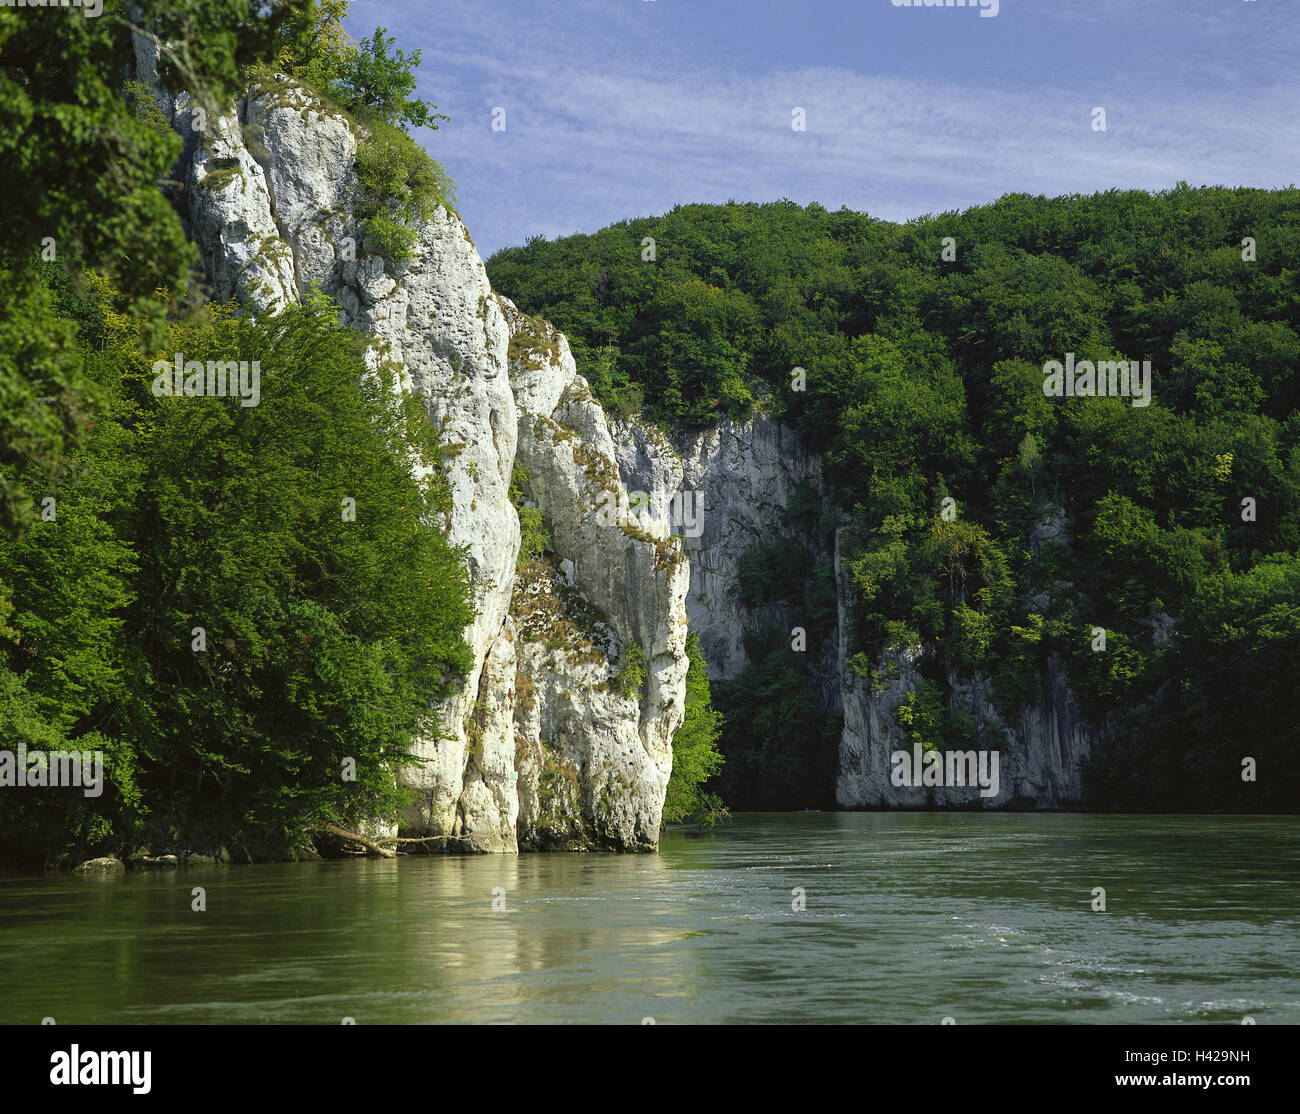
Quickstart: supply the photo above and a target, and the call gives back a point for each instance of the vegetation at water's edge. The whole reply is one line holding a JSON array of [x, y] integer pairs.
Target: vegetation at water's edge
[[923, 381], [232, 703], [243, 608], [696, 757]]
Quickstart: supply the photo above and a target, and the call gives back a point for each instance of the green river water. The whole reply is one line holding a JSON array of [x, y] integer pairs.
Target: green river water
[[909, 918]]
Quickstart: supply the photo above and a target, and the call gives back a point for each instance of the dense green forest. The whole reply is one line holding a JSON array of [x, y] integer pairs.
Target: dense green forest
[[912, 356], [249, 610], [232, 603]]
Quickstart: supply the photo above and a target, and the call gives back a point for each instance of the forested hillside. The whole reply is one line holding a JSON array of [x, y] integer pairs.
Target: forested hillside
[[913, 357]]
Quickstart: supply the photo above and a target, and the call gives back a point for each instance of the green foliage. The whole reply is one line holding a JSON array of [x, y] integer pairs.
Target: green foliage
[[82, 158], [631, 673], [45, 394], [402, 185], [782, 573], [770, 573], [378, 76], [315, 650], [138, 95], [66, 123], [1111, 678], [372, 78], [370, 83], [534, 540], [1223, 695], [1018, 665], [392, 240], [389, 167], [777, 743], [924, 383], [921, 716], [696, 757], [324, 637]]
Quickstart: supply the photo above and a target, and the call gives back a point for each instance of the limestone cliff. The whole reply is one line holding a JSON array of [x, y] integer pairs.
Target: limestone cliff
[[548, 743], [747, 474], [561, 735], [741, 478]]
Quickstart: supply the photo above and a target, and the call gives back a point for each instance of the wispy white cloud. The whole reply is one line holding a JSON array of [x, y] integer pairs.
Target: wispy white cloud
[[611, 123]]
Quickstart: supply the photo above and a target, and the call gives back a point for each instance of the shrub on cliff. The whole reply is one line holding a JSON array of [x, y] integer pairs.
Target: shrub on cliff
[[371, 82], [696, 757], [630, 677], [373, 78], [402, 185]]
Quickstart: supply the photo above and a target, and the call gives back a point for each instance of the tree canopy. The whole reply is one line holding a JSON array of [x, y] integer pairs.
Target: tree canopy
[[912, 356]]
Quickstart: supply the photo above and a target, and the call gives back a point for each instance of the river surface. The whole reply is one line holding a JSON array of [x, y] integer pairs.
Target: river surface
[[907, 918]]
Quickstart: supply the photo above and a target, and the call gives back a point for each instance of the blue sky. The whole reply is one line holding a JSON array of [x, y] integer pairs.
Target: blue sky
[[625, 108]]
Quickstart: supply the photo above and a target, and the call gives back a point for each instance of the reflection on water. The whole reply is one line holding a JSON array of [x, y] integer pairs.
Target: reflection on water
[[909, 917]]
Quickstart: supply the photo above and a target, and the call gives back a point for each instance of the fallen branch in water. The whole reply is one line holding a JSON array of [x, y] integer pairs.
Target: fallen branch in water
[[426, 840], [371, 846]]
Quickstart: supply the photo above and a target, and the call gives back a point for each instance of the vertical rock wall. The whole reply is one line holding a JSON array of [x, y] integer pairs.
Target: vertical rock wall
[[541, 747], [747, 473]]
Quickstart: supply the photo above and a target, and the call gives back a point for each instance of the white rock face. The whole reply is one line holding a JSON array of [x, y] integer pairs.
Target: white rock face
[[231, 220], [631, 590], [1039, 754], [748, 473], [272, 198], [741, 478], [545, 745], [651, 468]]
